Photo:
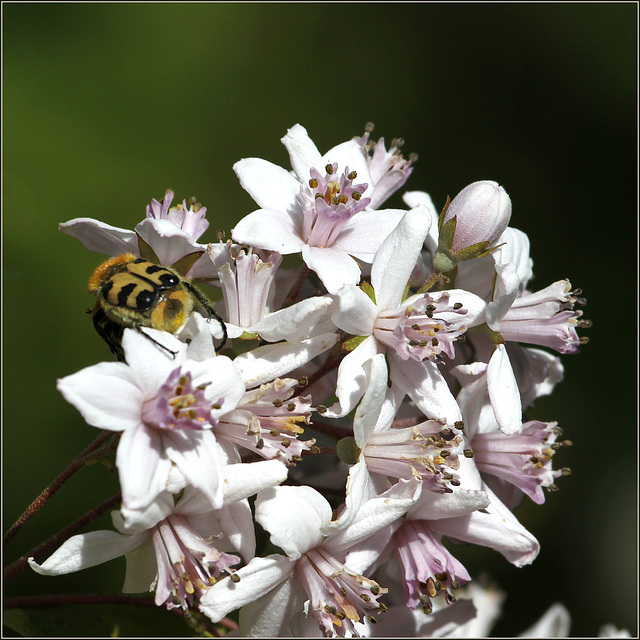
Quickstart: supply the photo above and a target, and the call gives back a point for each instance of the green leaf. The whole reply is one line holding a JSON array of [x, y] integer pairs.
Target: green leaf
[[368, 289], [351, 343]]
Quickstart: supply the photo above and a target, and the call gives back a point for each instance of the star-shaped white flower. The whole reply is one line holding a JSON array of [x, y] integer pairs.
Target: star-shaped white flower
[[165, 407], [411, 333], [320, 211]]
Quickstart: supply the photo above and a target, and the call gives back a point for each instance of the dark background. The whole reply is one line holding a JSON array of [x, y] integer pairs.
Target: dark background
[[106, 106]]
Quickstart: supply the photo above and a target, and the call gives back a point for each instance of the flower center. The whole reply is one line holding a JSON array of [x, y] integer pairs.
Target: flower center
[[179, 404], [421, 330], [329, 203]]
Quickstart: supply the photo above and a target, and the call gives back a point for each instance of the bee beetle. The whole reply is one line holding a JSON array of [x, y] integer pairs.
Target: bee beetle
[[133, 292]]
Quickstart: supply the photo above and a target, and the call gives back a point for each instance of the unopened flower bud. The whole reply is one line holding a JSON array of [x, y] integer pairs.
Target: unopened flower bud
[[471, 222]]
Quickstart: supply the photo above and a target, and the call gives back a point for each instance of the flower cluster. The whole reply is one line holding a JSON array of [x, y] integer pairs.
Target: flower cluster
[[373, 399]]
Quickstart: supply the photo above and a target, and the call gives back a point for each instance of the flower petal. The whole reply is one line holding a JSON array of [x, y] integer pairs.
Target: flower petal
[[363, 235], [303, 153], [294, 516], [101, 237], [105, 394], [271, 186], [142, 465], [356, 312], [293, 323], [424, 383], [87, 550], [503, 392], [255, 580], [397, 257], [335, 268], [269, 229], [264, 364]]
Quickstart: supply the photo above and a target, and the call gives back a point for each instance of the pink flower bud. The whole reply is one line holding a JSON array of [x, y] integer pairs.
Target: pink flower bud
[[474, 220], [483, 211]]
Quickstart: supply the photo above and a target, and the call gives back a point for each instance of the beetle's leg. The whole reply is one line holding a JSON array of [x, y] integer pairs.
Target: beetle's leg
[[208, 307]]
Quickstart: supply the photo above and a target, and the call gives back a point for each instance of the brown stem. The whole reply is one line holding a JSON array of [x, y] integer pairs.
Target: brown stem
[[90, 452], [295, 290], [330, 429], [57, 539]]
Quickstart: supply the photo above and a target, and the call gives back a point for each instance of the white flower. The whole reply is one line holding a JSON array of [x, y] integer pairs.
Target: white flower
[[164, 236], [412, 334], [172, 547], [320, 212], [165, 408], [312, 576]]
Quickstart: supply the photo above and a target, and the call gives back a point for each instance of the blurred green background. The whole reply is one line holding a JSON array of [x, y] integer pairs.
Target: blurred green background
[[108, 105]]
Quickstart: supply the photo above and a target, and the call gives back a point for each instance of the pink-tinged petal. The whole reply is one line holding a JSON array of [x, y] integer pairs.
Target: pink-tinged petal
[[225, 386], [105, 394], [474, 305], [356, 313], [352, 378], [424, 383], [494, 527], [303, 153], [256, 579], [195, 453], [537, 371], [101, 237], [87, 550], [270, 615], [349, 154], [333, 267], [143, 466], [397, 257], [171, 243], [293, 323], [269, 229], [271, 186], [503, 392], [366, 231], [264, 364], [294, 516]]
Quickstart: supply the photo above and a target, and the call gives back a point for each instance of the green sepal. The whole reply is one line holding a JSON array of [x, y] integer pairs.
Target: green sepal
[[447, 231], [351, 343], [347, 450], [474, 251], [184, 264], [247, 342], [405, 293], [368, 289], [146, 252], [444, 210]]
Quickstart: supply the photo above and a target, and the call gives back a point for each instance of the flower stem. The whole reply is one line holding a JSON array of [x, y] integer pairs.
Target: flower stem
[[57, 539], [295, 290], [92, 451]]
